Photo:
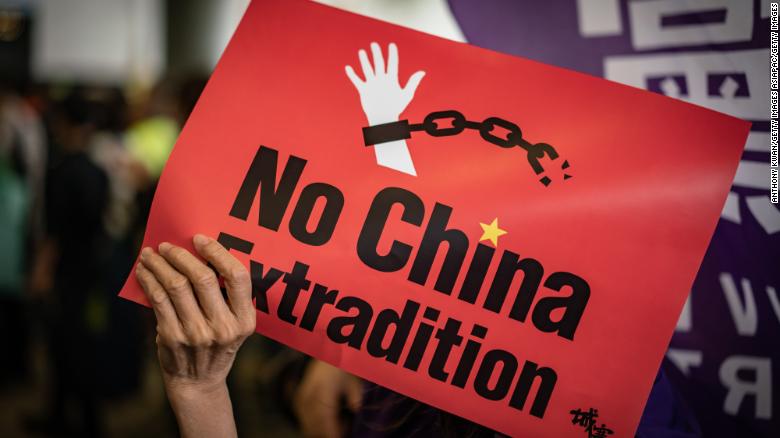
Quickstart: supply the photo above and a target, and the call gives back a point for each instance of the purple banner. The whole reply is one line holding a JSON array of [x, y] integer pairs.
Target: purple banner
[[713, 53]]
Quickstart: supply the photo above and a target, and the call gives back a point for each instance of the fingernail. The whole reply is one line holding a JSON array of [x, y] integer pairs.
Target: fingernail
[[200, 239], [139, 267], [146, 252], [165, 246]]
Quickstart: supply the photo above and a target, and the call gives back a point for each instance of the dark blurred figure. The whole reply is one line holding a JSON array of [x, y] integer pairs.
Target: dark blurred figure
[[69, 265], [22, 164], [154, 126], [116, 323]]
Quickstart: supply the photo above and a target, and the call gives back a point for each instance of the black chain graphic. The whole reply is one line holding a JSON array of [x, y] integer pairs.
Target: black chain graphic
[[402, 130]]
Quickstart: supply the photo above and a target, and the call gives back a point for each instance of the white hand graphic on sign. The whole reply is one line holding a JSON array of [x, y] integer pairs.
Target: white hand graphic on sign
[[383, 100]]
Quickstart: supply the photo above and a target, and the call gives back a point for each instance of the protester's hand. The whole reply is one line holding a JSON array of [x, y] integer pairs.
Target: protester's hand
[[320, 397], [381, 95], [198, 331]]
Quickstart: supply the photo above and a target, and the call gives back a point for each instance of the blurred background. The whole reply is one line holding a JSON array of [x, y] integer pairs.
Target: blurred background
[[93, 94]]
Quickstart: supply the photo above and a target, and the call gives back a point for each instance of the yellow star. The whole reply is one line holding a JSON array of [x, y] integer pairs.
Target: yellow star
[[491, 232]]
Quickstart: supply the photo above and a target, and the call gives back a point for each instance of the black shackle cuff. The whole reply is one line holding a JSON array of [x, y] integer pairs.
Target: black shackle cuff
[[386, 132]]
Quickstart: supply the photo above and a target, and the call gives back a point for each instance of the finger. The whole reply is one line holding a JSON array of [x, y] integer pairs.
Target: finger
[[354, 77], [158, 298], [178, 289], [379, 60], [392, 61], [354, 393], [368, 72], [237, 280], [326, 419], [317, 414], [201, 277], [414, 81]]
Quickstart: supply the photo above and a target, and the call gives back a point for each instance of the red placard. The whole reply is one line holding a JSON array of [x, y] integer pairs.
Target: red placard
[[515, 243]]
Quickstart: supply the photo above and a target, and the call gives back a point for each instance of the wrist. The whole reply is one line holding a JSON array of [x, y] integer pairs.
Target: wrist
[[202, 410], [380, 118], [180, 392]]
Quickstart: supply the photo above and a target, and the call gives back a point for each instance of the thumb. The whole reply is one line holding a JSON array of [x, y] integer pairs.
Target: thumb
[[413, 82]]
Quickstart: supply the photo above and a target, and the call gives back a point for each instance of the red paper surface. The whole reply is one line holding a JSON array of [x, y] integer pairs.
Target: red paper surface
[[649, 178]]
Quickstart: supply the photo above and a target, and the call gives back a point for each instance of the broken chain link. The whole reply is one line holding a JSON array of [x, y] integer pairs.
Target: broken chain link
[[402, 129]]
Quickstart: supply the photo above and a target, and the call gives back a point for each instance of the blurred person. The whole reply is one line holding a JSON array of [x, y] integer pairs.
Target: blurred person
[[68, 270], [153, 127], [326, 392], [22, 158], [116, 324], [107, 149], [153, 132], [199, 332], [155, 123]]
